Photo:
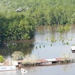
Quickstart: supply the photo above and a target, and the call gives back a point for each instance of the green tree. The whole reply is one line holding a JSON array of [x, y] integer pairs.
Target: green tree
[[3, 29], [1, 59]]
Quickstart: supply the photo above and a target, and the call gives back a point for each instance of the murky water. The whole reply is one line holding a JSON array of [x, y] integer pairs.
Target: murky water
[[44, 48]]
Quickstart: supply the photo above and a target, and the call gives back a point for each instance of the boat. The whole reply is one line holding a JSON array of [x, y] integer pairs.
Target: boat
[[7, 68], [73, 48]]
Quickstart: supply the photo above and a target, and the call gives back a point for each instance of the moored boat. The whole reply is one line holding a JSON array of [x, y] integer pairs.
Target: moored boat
[[7, 68], [73, 48]]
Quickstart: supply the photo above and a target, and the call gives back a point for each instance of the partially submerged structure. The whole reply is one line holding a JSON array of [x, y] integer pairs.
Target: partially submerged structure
[[43, 62]]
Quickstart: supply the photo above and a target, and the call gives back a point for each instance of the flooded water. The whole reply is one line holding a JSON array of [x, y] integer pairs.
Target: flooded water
[[45, 48]]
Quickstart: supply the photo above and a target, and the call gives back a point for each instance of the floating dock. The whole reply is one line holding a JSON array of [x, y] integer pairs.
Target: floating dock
[[44, 62]]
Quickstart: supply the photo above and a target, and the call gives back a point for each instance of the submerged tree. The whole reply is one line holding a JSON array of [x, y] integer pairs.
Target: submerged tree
[[17, 55]]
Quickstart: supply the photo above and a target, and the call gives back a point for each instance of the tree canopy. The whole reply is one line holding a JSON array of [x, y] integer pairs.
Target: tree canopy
[[18, 19]]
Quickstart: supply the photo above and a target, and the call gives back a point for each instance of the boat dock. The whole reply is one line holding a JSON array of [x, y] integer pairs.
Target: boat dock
[[44, 62]]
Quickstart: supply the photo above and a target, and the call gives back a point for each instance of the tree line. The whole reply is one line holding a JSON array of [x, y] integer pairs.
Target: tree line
[[16, 27], [18, 19]]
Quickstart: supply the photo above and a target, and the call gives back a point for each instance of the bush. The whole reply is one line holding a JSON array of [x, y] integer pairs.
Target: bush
[[1, 58], [60, 29]]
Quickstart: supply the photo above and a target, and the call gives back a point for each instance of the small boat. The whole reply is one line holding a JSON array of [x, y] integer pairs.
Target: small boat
[[23, 70], [73, 48], [7, 68]]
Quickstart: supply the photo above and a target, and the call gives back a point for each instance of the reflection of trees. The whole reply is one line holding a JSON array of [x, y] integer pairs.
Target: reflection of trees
[[53, 34], [25, 48], [66, 67]]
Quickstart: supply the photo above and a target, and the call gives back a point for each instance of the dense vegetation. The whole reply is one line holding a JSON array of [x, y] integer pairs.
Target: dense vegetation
[[1, 58], [18, 18]]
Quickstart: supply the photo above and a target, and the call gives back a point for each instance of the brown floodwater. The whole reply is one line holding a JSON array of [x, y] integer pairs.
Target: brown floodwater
[[48, 44]]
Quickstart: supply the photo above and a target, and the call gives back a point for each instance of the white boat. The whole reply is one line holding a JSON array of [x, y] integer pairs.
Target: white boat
[[7, 68], [72, 47]]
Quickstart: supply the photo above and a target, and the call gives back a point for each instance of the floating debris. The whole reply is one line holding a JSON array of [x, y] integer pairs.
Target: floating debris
[[23, 70]]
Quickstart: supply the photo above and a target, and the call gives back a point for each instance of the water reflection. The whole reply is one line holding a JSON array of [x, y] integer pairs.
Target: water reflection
[[9, 48], [51, 44]]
